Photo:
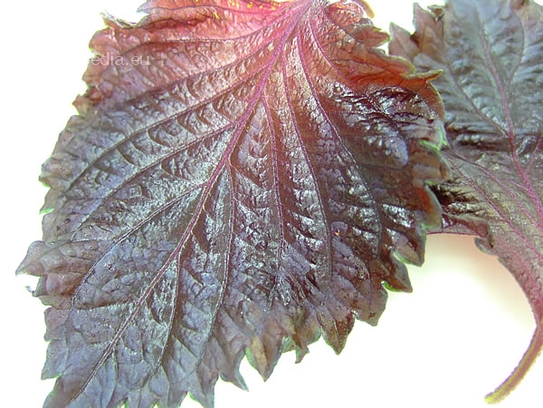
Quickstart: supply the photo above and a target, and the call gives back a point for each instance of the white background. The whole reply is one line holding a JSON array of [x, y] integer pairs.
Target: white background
[[447, 344]]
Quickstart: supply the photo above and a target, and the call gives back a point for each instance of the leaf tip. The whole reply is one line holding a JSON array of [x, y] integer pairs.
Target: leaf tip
[[367, 8], [30, 264], [400, 281]]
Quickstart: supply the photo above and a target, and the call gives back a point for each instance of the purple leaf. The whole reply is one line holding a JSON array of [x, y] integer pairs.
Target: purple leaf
[[242, 178], [491, 55]]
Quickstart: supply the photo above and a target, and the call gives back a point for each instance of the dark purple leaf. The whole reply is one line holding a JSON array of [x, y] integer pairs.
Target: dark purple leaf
[[491, 54], [242, 178]]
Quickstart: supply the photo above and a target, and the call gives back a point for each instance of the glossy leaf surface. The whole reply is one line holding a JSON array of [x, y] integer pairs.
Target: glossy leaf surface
[[491, 55], [241, 179]]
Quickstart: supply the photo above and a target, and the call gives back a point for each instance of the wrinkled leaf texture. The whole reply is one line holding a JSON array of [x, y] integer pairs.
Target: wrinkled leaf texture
[[252, 188], [491, 55]]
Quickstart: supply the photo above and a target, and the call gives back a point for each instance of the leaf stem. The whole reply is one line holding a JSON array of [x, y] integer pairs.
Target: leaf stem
[[520, 371]]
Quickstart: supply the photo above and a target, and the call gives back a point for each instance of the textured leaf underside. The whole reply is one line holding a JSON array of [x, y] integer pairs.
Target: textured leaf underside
[[241, 179], [491, 54]]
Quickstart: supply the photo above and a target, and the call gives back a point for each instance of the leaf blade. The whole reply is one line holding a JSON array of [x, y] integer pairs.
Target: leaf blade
[[208, 204]]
